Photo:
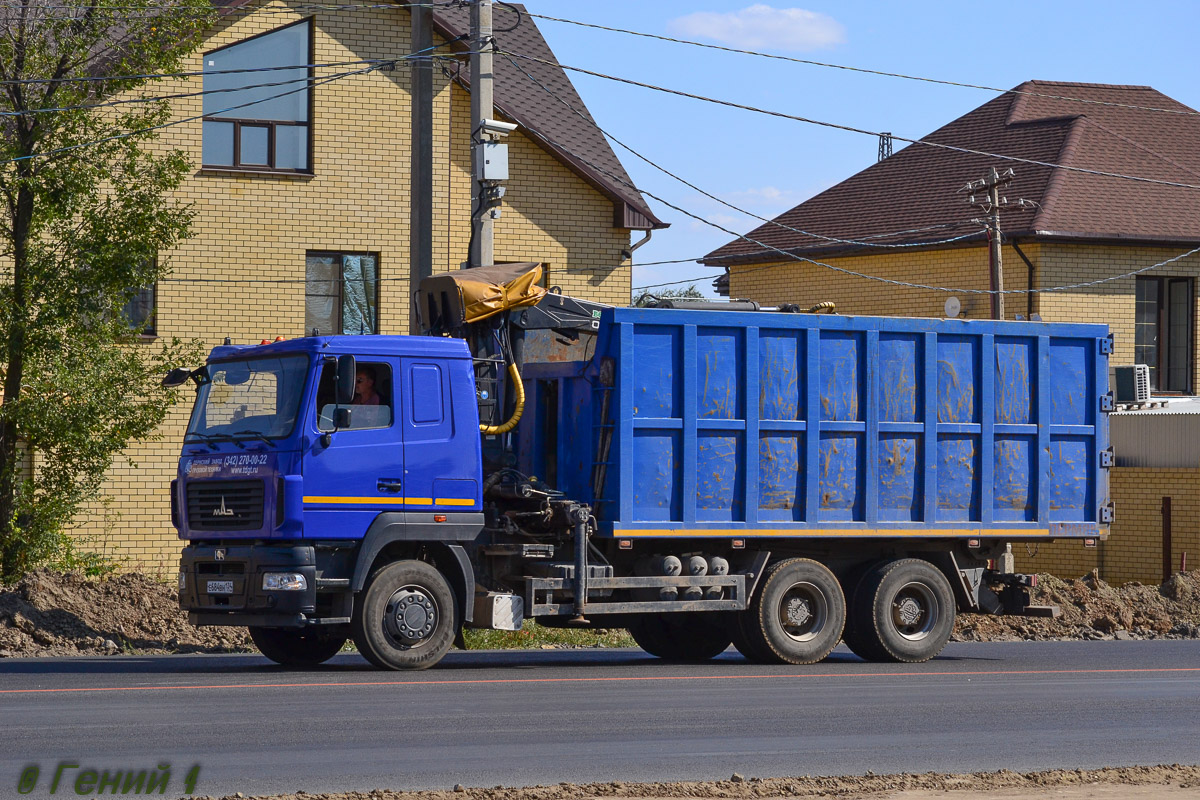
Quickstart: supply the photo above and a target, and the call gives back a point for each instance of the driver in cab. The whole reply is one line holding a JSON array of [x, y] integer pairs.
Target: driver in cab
[[364, 388]]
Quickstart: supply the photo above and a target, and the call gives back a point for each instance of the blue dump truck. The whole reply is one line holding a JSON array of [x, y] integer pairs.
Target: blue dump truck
[[774, 480]]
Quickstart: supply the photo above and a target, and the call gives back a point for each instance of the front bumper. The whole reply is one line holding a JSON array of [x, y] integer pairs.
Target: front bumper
[[223, 585]]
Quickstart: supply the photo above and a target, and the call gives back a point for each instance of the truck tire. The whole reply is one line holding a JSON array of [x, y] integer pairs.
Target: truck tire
[[404, 617], [860, 640], [797, 615], [297, 647], [902, 611], [744, 643], [686, 639]]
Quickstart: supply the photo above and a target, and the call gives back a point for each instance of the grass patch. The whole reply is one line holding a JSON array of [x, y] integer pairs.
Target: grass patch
[[534, 636]]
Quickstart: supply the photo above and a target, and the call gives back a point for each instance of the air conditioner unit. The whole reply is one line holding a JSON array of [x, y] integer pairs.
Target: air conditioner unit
[[1132, 384]]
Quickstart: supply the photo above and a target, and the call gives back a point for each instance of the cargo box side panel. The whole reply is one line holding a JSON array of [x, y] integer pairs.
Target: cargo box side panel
[[656, 490], [959, 440], [1015, 454], [770, 424], [900, 400], [841, 459], [720, 365], [782, 399], [1071, 474]]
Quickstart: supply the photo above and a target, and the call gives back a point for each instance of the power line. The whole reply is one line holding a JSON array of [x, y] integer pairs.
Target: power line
[[292, 10], [1045, 290], [672, 283], [198, 73], [849, 128], [154, 99], [1181, 112], [843, 270], [382, 63], [711, 196], [310, 83], [247, 9]]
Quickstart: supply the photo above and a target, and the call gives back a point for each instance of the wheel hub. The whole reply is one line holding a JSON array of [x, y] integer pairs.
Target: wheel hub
[[908, 611], [798, 611], [410, 616], [803, 612], [915, 611]]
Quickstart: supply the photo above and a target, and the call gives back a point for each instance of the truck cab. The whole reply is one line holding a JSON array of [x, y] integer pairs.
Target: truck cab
[[302, 456]]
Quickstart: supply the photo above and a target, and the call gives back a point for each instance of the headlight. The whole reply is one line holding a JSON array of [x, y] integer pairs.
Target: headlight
[[284, 582], [182, 581]]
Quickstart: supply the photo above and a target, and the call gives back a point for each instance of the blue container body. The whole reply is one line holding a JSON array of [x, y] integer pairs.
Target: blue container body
[[756, 424]]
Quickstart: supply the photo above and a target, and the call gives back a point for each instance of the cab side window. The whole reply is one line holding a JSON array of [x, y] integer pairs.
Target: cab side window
[[373, 397]]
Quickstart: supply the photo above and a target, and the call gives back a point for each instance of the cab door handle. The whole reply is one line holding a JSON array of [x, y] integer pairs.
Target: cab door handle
[[389, 485]]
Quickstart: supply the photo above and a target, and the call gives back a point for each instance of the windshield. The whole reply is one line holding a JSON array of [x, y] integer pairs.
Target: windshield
[[254, 398]]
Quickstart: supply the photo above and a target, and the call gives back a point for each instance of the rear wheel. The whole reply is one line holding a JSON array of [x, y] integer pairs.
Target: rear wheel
[[680, 637], [859, 638], [797, 616], [297, 647], [902, 611], [404, 617]]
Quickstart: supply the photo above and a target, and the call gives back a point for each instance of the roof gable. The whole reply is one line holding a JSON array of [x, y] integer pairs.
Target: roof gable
[[916, 188], [523, 101]]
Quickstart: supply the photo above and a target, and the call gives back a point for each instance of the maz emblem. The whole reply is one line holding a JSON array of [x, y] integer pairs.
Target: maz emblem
[[222, 511], [219, 554]]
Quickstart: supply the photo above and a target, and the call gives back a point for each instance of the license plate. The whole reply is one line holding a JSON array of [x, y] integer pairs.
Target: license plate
[[220, 587]]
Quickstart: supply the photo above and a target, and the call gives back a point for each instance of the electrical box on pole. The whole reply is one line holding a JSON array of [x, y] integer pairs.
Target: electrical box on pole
[[491, 161]]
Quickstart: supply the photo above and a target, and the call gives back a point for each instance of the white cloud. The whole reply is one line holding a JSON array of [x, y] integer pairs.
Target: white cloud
[[761, 27], [763, 196]]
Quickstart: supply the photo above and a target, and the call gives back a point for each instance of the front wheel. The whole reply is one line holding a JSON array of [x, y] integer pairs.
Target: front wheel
[[297, 647], [902, 611], [404, 617], [797, 616], [686, 639]]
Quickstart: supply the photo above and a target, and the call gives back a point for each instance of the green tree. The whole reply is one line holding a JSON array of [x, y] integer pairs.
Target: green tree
[[689, 292], [85, 207]]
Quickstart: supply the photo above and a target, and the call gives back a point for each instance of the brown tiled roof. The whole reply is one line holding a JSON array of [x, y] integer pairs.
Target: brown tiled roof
[[524, 102], [918, 186]]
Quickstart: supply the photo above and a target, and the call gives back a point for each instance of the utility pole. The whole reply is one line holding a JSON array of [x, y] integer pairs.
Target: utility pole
[[991, 203], [420, 249], [482, 242]]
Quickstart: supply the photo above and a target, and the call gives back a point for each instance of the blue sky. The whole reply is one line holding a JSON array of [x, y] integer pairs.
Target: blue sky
[[768, 165]]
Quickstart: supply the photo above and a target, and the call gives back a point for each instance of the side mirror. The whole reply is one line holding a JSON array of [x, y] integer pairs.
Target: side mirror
[[346, 373], [176, 377], [341, 420]]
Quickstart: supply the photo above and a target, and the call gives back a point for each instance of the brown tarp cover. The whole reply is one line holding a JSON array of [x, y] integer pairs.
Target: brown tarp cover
[[449, 299]]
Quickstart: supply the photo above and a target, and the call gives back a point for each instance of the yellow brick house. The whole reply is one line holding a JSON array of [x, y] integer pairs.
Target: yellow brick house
[[302, 187], [1095, 247]]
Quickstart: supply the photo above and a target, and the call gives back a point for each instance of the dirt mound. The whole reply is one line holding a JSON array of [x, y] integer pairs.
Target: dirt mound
[[1142, 782], [1092, 609], [53, 614], [56, 614]]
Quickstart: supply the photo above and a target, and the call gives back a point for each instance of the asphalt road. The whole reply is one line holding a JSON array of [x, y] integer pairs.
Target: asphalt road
[[520, 718]]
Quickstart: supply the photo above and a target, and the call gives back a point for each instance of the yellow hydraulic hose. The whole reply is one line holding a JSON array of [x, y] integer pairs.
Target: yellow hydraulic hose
[[492, 430], [828, 307]]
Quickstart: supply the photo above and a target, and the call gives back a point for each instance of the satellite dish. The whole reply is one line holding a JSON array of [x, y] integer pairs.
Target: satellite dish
[[953, 307]]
